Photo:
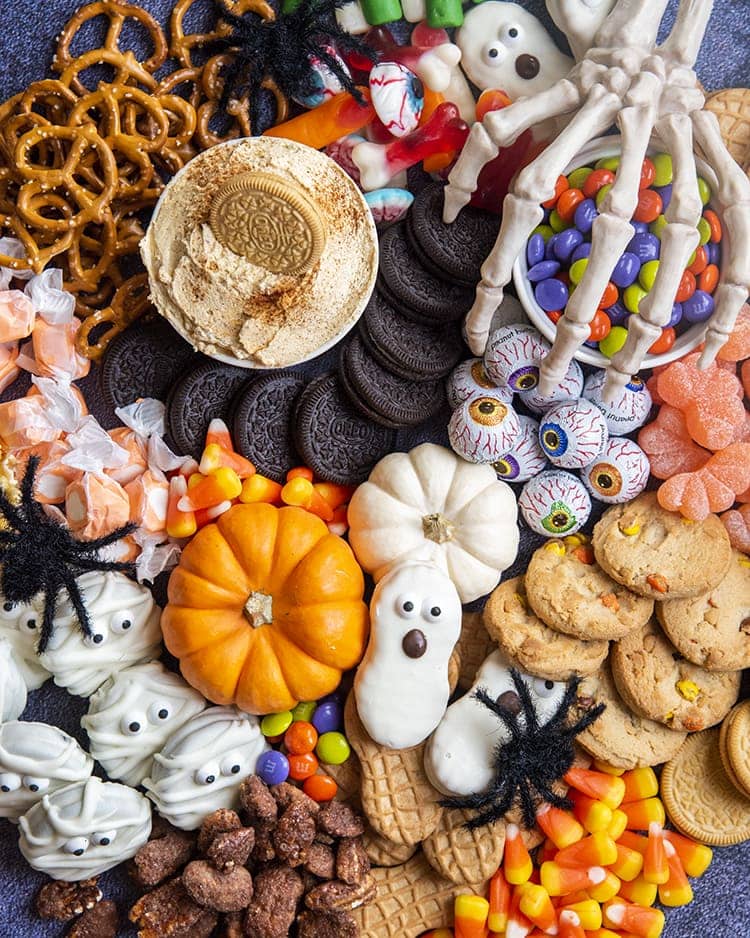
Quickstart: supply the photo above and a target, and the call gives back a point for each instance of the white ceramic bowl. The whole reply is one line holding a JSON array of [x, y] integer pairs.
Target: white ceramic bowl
[[686, 342]]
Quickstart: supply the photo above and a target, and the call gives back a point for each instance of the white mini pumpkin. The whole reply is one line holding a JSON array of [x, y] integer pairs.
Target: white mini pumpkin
[[430, 505]]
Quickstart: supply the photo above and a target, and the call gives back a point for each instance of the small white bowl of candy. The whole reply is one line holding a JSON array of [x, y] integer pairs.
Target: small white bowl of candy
[[556, 256]]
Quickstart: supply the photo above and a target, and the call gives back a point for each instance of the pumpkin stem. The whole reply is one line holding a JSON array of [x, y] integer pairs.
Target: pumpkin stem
[[259, 609], [437, 528]]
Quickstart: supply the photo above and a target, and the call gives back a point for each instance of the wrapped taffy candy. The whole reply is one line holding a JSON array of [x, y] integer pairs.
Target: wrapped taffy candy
[[149, 495], [23, 423], [52, 475], [9, 370], [49, 300], [55, 352], [95, 505], [16, 316], [137, 455]]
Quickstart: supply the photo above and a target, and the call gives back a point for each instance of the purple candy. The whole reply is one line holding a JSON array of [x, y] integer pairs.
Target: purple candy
[[626, 270], [645, 246], [583, 250], [327, 717], [549, 248], [617, 313], [714, 253], [545, 217], [543, 271], [551, 295], [566, 242], [676, 316], [585, 215], [666, 195], [699, 307], [272, 767], [639, 227], [535, 250]]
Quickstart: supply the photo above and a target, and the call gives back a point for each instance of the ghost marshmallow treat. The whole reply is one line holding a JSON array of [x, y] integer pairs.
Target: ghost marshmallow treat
[[19, 624], [125, 631], [12, 684], [36, 759], [133, 714], [84, 829], [201, 765], [401, 686]]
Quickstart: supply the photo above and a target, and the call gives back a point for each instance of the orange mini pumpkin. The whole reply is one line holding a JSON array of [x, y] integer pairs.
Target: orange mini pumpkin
[[265, 609]]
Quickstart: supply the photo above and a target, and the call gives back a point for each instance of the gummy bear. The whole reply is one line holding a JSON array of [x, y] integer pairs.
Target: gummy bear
[[737, 523], [712, 488], [669, 446]]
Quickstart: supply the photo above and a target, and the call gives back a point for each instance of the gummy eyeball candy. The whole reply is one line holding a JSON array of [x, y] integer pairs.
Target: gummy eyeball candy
[[526, 459], [469, 379], [513, 355], [397, 95], [84, 829], [36, 758], [388, 205], [629, 412], [459, 758], [555, 502], [19, 624], [12, 684], [483, 429], [133, 714], [619, 472], [322, 83], [569, 389], [573, 434], [202, 764]]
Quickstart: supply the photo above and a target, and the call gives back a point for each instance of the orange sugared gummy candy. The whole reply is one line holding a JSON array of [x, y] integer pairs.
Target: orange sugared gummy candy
[[737, 523], [745, 373], [737, 346], [669, 446], [712, 488]]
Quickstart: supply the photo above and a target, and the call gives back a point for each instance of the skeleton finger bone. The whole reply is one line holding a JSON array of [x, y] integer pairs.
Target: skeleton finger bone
[[580, 20]]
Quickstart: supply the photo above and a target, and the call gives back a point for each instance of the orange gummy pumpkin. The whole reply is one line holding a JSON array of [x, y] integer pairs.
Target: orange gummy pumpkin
[[265, 609]]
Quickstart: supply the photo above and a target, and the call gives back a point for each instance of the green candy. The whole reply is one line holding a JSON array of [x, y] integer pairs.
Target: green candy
[[303, 711], [602, 194], [608, 162], [577, 270], [333, 749], [657, 227], [614, 341], [647, 278], [378, 12], [704, 190], [556, 223], [577, 178], [443, 14], [545, 231], [632, 297], [276, 724], [704, 230], [664, 173]]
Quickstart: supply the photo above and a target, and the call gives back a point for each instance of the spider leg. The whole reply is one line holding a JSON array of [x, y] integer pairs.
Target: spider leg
[[48, 617], [528, 808], [553, 798], [76, 600], [733, 200], [522, 209], [527, 704]]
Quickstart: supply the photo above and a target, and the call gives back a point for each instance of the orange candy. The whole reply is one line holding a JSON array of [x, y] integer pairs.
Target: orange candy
[[669, 446], [568, 203], [560, 826], [649, 206], [700, 263], [714, 223], [517, 864], [300, 738], [648, 174], [737, 347], [561, 185], [712, 488], [597, 180], [301, 492], [320, 787], [499, 898], [258, 488], [686, 288], [737, 523], [607, 788], [600, 327], [610, 296], [709, 279], [302, 766], [655, 869], [665, 341], [495, 100]]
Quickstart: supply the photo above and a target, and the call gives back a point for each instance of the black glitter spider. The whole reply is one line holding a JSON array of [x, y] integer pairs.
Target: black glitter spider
[[282, 49], [531, 761], [40, 555]]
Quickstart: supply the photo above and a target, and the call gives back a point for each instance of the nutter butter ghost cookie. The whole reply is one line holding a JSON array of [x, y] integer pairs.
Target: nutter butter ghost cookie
[[401, 686], [20, 624], [12, 685]]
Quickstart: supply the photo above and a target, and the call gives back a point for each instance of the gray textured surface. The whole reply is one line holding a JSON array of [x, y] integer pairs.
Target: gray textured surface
[[27, 34]]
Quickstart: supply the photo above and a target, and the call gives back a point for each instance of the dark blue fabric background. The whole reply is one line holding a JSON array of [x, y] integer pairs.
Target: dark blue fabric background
[[27, 33]]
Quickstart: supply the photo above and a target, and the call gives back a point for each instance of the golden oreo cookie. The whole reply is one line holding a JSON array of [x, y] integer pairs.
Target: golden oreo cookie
[[735, 746], [268, 220]]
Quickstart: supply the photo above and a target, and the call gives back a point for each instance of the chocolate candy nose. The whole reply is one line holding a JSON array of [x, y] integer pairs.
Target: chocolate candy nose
[[527, 66], [511, 701]]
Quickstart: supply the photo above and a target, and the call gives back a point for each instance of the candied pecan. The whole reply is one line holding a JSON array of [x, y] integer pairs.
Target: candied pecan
[[63, 901], [231, 926], [169, 912], [286, 795], [320, 861], [263, 851], [217, 822], [217, 891], [232, 848], [99, 922], [160, 827], [352, 862], [257, 801], [278, 889], [163, 857], [294, 833], [339, 897], [327, 925], [338, 820]]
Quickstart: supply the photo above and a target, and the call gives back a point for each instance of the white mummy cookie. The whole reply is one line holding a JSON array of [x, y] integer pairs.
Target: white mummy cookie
[[125, 625], [401, 686], [84, 829], [460, 753], [19, 623], [36, 759], [133, 714], [201, 766], [12, 684], [505, 47]]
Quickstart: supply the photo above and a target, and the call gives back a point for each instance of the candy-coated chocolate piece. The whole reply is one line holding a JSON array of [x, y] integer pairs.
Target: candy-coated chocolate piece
[[333, 748], [276, 724], [273, 767], [327, 717]]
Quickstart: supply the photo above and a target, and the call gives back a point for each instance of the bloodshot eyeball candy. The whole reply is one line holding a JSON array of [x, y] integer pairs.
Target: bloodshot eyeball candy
[[573, 434], [513, 355], [628, 412], [469, 379], [483, 429], [618, 474], [526, 458], [555, 503]]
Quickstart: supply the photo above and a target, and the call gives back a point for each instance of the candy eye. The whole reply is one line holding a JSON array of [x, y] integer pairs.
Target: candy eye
[[619, 473], [555, 503], [103, 838], [554, 439], [231, 765], [511, 34], [8, 606], [35, 784], [77, 846], [512, 357], [122, 622], [572, 434], [543, 688], [431, 611], [527, 458], [524, 379], [605, 479], [207, 775], [506, 468], [488, 411], [406, 606], [132, 725], [493, 53], [397, 96], [9, 781], [28, 623], [158, 712], [97, 638], [480, 375]]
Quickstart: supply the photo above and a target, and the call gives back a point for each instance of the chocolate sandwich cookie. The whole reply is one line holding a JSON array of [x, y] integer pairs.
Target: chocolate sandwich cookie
[[262, 423], [395, 400], [417, 293], [452, 252], [408, 348], [205, 392], [337, 442], [144, 361]]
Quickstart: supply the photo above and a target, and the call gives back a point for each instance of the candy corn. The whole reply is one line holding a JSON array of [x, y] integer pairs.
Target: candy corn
[[215, 456], [677, 890], [639, 784], [634, 841], [606, 889], [302, 493], [300, 472], [499, 899], [562, 880], [335, 495], [607, 788], [536, 905], [340, 521], [517, 864], [618, 824], [695, 858], [642, 813], [595, 850], [219, 485], [643, 922], [638, 891], [518, 925], [655, 868], [179, 523], [470, 917], [593, 814], [258, 488], [570, 926], [628, 864], [560, 826], [587, 911]]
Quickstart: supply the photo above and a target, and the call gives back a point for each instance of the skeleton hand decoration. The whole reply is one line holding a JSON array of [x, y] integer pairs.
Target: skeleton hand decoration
[[579, 20], [627, 80]]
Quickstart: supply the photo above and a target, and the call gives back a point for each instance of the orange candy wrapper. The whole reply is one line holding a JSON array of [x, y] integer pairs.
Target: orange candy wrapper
[[96, 505]]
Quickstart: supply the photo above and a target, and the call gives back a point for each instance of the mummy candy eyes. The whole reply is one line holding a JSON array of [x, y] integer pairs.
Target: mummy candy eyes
[[76, 846], [406, 607], [231, 765], [9, 781], [122, 622]]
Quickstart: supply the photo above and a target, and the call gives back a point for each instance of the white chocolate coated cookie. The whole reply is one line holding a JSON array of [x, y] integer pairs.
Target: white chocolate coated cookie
[[125, 626], [12, 684], [201, 765], [401, 686], [19, 623], [84, 829], [459, 758], [133, 714], [36, 759]]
